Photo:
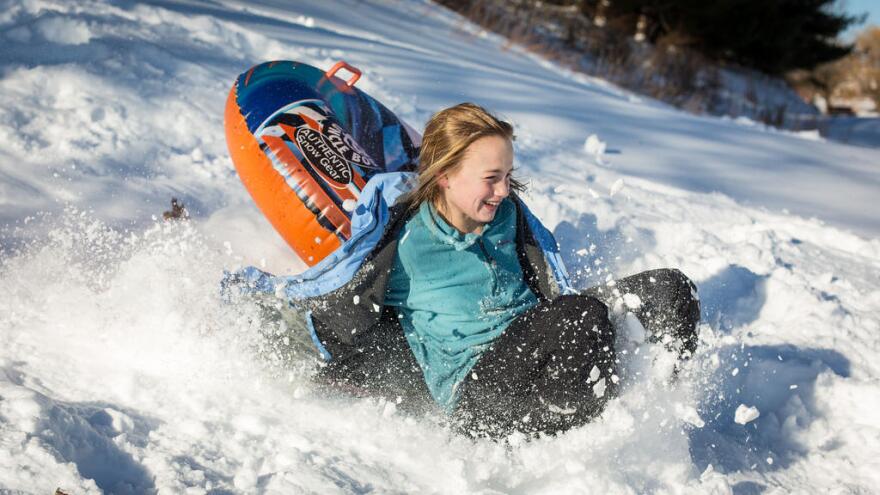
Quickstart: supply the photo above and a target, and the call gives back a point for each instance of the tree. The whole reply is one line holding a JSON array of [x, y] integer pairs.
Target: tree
[[855, 76], [773, 36]]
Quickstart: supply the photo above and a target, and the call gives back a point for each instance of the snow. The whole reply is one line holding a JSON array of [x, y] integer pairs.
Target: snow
[[863, 131], [632, 301], [599, 388], [594, 373], [596, 147], [616, 187], [122, 371], [632, 328], [745, 414], [689, 415]]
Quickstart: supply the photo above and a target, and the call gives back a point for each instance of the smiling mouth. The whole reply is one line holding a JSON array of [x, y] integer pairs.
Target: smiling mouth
[[493, 204]]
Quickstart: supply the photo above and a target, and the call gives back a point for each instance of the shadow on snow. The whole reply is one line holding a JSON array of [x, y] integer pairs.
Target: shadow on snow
[[780, 381]]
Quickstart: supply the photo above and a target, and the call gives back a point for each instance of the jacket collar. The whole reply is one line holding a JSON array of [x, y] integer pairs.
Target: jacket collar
[[444, 232]]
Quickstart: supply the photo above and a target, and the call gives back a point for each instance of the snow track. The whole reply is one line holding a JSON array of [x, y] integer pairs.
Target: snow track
[[121, 370]]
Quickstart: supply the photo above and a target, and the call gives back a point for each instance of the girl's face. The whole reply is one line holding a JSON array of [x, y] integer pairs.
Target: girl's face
[[472, 193]]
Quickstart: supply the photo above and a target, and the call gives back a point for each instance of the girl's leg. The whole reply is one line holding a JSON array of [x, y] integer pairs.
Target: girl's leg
[[670, 309], [536, 377]]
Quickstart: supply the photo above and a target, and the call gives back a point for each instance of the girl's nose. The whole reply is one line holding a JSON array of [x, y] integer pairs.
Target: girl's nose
[[502, 188]]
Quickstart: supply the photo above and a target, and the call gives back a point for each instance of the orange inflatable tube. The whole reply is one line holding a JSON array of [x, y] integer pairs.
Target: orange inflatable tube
[[304, 149]]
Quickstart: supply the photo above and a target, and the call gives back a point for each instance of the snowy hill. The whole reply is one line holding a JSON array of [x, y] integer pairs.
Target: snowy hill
[[121, 371]]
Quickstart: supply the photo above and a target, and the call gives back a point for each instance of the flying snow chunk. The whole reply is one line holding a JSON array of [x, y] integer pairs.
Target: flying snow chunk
[[599, 388], [745, 414], [596, 147], [632, 301], [633, 328], [594, 374], [616, 187], [689, 415]]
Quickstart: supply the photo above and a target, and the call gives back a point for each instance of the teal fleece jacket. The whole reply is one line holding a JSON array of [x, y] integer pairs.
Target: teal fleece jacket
[[455, 293]]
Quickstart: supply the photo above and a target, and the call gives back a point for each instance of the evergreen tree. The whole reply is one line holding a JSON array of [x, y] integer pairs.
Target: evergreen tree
[[770, 35]]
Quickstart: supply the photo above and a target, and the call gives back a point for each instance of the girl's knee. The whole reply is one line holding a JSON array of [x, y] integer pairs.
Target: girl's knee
[[687, 304], [581, 307], [681, 294], [588, 317]]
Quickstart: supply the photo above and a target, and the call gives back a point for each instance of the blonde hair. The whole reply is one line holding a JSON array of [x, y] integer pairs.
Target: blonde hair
[[447, 136]]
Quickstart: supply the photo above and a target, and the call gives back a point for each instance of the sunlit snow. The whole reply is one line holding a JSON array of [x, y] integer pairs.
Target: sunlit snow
[[123, 371]]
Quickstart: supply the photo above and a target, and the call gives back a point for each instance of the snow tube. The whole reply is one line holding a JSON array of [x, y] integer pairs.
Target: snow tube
[[305, 143]]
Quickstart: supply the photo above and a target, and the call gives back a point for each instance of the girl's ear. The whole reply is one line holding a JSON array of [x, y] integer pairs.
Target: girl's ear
[[443, 181]]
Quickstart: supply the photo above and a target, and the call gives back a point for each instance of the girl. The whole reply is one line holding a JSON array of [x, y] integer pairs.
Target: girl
[[502, 344], [460, 298]]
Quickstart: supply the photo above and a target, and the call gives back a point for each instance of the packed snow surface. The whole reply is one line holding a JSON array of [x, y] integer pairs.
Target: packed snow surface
[[121, 370]]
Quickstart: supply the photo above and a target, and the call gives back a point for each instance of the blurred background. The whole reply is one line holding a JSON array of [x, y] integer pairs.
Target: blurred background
[[803, 65]]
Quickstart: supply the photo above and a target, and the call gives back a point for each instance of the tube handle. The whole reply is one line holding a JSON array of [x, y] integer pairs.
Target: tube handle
[[355, 72]]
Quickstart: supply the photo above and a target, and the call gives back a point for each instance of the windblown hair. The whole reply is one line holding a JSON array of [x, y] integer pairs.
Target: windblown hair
[[447, 136]]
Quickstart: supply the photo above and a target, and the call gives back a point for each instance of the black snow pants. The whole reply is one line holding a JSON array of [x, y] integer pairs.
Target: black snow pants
[[555, 366]]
